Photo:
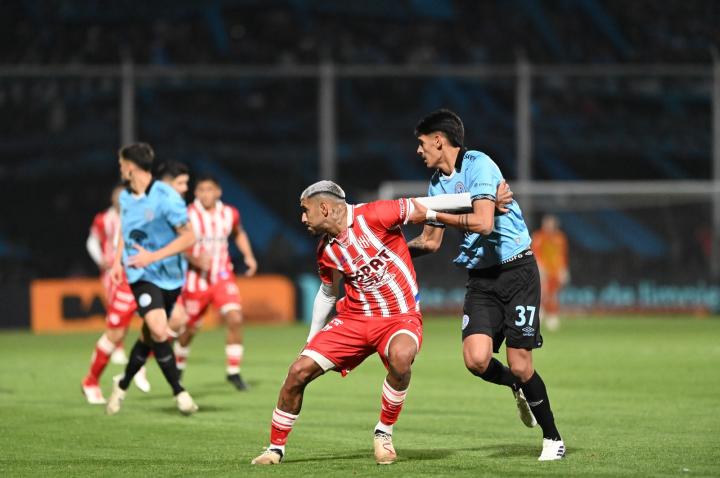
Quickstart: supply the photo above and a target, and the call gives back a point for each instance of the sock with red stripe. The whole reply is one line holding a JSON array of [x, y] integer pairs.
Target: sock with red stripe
[[280, 428], [392, 403], [100, 357], [233, 358]]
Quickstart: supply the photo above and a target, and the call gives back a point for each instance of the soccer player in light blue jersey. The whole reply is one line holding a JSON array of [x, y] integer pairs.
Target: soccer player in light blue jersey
[[154, 230], [502, 302]]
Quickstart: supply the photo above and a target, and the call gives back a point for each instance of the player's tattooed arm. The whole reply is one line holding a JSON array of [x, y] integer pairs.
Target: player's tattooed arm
[[427, 242]]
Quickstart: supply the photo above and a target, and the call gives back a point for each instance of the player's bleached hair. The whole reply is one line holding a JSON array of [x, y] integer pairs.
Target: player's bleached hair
[[323, 187]]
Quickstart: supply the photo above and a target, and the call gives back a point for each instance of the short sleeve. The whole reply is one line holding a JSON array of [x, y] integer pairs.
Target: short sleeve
[[392, 213], [482, 178], [175, 210], [236, 222], [97, 228], [325, 267]]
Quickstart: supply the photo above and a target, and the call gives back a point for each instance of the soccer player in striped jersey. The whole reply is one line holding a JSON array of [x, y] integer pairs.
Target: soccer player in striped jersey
[[380, 311], [502, 302], [102, 247], [210, 277]]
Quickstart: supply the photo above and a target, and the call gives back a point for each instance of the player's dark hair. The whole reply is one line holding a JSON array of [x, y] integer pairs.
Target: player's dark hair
[[443, 121], [141, 154], [172, 169], [206, 177]]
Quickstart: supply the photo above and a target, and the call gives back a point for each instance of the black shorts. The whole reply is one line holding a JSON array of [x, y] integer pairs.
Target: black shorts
[[504, 303], [148, 297]]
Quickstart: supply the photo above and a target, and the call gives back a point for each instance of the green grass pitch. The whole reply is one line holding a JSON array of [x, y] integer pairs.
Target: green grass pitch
[[631, 396]]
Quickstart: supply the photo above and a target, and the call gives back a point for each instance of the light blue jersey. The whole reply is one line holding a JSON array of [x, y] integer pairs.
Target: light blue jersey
[[477, 174], [150, 220]]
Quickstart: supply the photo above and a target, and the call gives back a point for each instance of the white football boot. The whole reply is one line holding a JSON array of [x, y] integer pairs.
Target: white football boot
[[93, 395], [185, 403], [384, 449], [140, 380], [116, 397], [552, 450], [526, 414], [271, 456]]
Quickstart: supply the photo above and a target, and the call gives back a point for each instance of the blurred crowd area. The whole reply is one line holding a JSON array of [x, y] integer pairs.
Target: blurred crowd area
[[372, 31], [59, 135]]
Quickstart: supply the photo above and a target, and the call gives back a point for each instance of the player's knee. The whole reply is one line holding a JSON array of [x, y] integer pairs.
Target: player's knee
[[159, 336], [234, 319], [115, 335], [522, 369], [477, 364], [401, 360], [298, 375]]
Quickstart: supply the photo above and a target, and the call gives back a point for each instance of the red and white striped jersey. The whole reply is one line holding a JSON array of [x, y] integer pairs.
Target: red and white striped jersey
[[374, 258], [212, 231], [106, 229]]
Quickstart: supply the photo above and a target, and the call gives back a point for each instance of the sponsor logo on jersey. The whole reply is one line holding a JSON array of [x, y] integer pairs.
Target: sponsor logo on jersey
[[138, 235], [372, 272]]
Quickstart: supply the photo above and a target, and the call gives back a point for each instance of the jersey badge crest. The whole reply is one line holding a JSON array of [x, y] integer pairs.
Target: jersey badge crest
[[363, 241]]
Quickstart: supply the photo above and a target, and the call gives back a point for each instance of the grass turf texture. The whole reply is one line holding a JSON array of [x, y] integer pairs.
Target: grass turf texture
[[631, 397]]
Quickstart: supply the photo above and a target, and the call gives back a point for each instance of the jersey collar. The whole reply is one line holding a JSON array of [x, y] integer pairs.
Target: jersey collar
[[198, 204], [146, 193], [458, 165]]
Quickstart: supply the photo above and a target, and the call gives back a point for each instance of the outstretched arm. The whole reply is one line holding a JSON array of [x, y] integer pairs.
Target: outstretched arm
[[481, 220]]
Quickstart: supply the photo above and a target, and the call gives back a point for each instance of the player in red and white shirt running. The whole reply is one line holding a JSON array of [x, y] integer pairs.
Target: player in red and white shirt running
[[380, 311], [210, 277], [102, 245]]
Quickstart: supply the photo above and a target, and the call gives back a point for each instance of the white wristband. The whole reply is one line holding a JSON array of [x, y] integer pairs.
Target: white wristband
[[431, 215]]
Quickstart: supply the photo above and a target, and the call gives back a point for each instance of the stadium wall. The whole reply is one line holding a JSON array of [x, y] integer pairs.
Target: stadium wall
[[72, 305]]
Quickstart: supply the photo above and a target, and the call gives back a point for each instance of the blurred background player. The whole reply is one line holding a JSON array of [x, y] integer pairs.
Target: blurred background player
[[550, 246], [102, 247], [154, 232], [176, 175], [210, 277]]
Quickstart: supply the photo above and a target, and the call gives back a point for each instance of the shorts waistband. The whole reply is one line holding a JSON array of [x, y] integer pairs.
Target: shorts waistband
[[518, 256], [518, 259]]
